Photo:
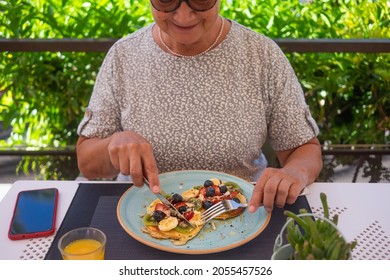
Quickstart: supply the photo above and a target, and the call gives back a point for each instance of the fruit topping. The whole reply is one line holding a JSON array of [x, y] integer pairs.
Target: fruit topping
[[207, 204], [177, 198], [210, 191], [158, 215], [208, 183]]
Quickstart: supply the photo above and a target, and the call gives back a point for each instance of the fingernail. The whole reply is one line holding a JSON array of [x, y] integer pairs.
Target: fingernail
[[252, 209], [156, 189]]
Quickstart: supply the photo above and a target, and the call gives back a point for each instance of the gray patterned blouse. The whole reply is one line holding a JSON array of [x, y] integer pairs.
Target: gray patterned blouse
[[211, 112]]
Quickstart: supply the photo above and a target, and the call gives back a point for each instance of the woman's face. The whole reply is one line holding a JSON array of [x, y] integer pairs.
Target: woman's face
[[186, 26]]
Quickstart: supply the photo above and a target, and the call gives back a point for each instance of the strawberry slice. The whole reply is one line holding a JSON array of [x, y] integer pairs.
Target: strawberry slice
[[160, 207], [188, 215], [217, 190], [179, 204]]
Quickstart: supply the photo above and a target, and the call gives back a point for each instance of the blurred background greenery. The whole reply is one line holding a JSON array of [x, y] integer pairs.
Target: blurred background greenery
[[43, 94]]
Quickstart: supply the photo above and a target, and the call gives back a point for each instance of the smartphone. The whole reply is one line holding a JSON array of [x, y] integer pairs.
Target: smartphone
[[34, 214]]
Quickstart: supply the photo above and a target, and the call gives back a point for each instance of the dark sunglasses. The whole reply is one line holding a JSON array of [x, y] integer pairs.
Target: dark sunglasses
[[168, 6]]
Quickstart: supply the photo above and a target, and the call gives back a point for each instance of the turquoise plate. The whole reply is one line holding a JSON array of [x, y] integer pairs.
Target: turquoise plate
[[227, 234]]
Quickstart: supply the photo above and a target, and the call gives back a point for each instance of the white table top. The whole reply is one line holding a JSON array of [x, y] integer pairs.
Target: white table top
[[4, 188], [31, 248], [363, 215], [361, 208]]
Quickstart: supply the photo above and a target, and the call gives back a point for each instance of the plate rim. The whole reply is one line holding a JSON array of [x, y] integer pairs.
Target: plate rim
[[179, 249]]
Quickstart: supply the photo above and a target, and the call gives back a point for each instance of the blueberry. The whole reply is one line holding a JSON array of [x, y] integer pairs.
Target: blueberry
[[223, 189], [236, 200], [207, 204], [182, 209], [210, 191], [208, 183], [177, 198], [158, 215]]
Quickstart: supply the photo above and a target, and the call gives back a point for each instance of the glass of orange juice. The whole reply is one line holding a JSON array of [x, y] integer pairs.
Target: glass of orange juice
[[83, 244]]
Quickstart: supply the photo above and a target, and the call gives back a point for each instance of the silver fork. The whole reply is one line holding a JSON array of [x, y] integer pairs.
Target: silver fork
[[226, 205], [219, 208]]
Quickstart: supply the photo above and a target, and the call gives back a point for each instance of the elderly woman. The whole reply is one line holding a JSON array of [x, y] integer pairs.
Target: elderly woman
[[197, 91]]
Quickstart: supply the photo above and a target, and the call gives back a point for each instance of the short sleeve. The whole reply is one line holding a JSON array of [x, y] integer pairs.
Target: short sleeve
[[291, 123], [102, 117]]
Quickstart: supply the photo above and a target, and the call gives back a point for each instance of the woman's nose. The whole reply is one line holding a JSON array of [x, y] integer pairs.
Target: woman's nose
[[184, 11]]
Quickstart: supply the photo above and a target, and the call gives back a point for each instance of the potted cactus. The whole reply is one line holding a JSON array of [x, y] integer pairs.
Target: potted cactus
[[312, 239]]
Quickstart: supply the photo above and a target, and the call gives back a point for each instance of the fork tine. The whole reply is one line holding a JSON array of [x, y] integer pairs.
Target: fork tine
[[219, 208], [212, 212], [212, 208], [215, 215]]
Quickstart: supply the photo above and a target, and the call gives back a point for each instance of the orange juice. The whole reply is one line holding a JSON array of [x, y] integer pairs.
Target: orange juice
[[84, 249]]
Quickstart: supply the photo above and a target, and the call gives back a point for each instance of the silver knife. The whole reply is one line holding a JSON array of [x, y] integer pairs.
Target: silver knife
[[166, 202]]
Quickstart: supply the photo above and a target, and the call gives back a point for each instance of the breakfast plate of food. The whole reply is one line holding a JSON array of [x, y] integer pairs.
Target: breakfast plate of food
[[145, 218]]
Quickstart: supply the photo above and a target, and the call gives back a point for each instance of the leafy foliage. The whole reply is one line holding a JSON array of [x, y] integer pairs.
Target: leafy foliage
[[43, 94], [349, 93]]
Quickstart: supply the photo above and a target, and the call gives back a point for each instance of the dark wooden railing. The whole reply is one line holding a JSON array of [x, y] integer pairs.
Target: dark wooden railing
[[288, 45], [339, 150], [361, 149], [30, 151]]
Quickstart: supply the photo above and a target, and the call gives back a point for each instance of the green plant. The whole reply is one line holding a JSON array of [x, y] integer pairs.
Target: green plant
[[317, 239], [43, 94]]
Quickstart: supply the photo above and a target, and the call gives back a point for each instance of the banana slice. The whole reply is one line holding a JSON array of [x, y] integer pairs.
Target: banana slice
[[196, 219], [216, 182], [152, 205], [241, 198], [189, 194], [168, 224]]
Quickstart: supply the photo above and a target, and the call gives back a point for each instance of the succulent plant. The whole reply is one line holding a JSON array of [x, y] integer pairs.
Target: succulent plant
[[317, 239]]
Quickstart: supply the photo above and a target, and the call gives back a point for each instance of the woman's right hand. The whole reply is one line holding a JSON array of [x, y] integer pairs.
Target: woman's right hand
[[131, 154]]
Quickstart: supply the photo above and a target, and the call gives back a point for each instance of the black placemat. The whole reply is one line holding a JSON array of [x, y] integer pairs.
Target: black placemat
[[95, 205]]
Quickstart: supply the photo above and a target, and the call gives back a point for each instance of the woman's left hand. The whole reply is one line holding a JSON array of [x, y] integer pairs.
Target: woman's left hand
[[278, 186]]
